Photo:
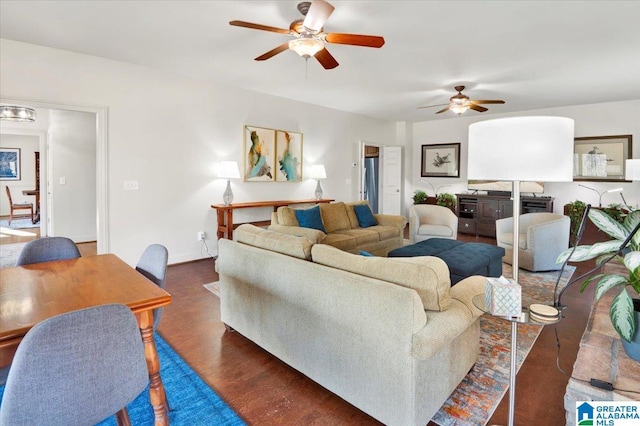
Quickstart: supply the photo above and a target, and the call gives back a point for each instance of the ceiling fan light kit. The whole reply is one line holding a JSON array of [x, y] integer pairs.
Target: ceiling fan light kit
[[309, 36], [460, 103]]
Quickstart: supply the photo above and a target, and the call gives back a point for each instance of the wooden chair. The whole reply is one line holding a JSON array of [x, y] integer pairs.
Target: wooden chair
[[18, 206]]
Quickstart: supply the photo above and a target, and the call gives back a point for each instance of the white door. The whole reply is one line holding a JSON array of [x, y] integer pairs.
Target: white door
[[391, 178]]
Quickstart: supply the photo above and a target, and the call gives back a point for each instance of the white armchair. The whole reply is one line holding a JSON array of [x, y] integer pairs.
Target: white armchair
[[543, 236], [431, 221]]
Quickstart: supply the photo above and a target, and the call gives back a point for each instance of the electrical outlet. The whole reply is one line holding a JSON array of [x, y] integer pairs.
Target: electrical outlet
[[201, 236]]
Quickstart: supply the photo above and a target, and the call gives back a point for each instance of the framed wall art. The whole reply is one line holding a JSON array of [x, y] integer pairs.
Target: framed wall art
[[601, 158], [441, 160], [259, 154], [10, 164], [289, 156]]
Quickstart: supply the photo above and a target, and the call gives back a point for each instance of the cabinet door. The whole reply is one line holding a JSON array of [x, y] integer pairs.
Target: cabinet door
[[488, 210], [506, 209]]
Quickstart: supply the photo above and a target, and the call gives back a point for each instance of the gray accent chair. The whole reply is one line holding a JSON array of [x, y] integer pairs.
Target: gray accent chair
[[77, 368], [153, 265], [431, 221], [543, 236], [48, 249]]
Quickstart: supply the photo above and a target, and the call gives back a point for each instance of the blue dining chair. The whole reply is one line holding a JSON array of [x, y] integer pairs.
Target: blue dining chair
[[47, 249], [77, 368], [153, 265]]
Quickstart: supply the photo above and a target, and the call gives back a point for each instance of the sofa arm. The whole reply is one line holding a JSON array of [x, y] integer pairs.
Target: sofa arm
[[397, 221], [443, 327], [313, 235]]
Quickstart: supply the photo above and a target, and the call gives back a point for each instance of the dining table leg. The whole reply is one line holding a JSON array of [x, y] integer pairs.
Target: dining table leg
[[156, 388]]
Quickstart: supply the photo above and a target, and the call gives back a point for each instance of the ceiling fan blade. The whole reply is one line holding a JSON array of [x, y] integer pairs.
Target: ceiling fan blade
[[490, 101], [478, 108], [431, 106], [443, 110], [273, 52], [326, 59], [318, 13], [354, 39], [253, 26]]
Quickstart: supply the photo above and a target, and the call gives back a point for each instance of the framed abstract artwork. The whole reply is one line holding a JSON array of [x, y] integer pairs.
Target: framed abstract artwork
[[601, 158], [441, 160], [10, 163], [259, 154], [289, 156]]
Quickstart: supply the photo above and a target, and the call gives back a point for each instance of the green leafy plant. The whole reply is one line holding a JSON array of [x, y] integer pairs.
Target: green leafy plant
[[616, 212], [446, 200], [621, 310], [575, 210], [419, 197]]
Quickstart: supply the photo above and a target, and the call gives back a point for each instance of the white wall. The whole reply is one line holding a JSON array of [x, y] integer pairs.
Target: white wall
[[169, 133], [28, 145], [72, 156], [613, 118]]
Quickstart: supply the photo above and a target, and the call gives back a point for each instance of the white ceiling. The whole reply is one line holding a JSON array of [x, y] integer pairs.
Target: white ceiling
[[532, 54]]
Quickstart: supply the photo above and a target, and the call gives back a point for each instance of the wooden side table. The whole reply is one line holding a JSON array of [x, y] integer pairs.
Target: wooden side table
[[225, 213]]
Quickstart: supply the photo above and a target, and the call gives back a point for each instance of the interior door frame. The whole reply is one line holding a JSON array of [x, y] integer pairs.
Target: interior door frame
[[102, 166]]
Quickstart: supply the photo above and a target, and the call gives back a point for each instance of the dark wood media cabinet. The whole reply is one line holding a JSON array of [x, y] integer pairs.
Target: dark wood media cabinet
[[477, 214]]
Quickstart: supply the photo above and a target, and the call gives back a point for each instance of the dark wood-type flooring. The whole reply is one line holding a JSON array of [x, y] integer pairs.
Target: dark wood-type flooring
[[263, 390]]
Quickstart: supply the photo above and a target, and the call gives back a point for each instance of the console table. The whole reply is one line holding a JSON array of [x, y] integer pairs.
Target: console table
[[225, 213]]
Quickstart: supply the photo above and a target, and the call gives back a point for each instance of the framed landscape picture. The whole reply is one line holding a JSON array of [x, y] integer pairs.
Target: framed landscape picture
[[601, 158], [259, 154], [441, 160], [10, 163], [289, 156]]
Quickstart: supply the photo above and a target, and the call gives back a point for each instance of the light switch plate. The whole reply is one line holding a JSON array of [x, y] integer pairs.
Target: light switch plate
[[63, 181]]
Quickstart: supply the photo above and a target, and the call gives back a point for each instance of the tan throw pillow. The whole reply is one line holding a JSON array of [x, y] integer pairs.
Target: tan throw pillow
[[290, 245], [287, 217], [334, 216], [428, 276]]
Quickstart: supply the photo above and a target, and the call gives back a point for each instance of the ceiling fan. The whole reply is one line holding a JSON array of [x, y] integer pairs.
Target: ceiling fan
[[460, 103], [309, 36]]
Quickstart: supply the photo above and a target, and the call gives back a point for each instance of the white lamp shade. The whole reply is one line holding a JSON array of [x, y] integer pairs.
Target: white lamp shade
[[534, 148], [632, 169], [229, 170], [317, 172]]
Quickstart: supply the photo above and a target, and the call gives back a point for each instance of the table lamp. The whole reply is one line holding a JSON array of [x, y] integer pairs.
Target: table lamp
[[228, 170], [318, 172]]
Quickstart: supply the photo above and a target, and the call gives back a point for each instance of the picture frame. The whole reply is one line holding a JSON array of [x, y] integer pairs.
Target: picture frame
[[601, 158], [10, 164], [259, 153], [440, 160], [288, 156]]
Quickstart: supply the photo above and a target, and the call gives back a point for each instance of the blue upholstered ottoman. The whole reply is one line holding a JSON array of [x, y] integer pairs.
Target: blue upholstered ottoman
[[463, 259]]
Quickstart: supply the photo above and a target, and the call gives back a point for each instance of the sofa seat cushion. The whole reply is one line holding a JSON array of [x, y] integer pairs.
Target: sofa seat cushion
[[334, 216], [362, 236], [290, 245], [435, 230], [340, 241], [385, 232], [507, 239], [428, 276]]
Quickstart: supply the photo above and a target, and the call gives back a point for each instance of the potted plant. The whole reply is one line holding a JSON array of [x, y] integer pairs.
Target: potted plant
[[575, 210], [446, 200], [419, 197], [625, 310]]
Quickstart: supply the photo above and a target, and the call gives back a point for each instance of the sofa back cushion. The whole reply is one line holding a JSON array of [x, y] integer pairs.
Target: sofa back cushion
[[290, 245], [428, 276], [334, 216], [287, 216]]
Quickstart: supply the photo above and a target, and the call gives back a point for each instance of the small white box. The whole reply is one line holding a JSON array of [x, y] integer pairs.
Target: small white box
[[503, 297]]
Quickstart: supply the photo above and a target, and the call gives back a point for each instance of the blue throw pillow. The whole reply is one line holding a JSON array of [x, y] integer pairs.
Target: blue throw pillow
[[365, 253], [364, 215], [310, 218]]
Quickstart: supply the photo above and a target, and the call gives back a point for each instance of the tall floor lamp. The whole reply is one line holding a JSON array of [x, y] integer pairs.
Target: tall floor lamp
[[520, 149]]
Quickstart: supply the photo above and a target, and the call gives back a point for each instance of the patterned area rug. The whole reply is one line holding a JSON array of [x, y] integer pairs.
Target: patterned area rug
[[478, 395]]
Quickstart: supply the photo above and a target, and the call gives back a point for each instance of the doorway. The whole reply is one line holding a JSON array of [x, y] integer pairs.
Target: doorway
[[381, 177]]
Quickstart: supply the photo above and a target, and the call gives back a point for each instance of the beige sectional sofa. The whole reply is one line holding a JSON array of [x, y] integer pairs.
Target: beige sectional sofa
[[343, 230], [388, 335]]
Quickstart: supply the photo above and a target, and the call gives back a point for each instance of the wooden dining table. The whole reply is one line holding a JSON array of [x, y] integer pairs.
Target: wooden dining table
[[32, 293]]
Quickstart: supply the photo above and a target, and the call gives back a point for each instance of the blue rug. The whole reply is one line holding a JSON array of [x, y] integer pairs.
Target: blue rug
[[192, 401], [18, 223]]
